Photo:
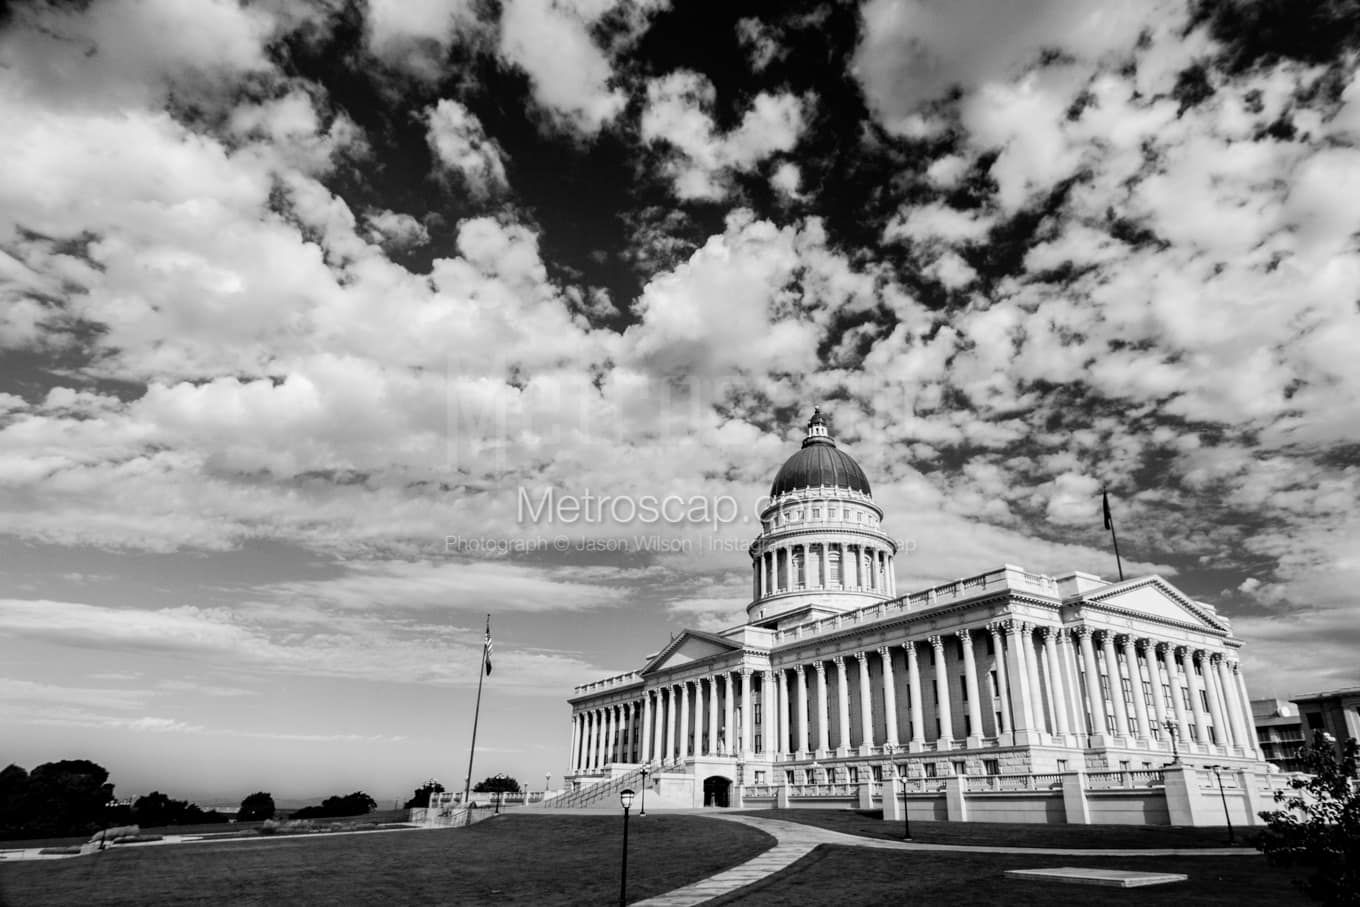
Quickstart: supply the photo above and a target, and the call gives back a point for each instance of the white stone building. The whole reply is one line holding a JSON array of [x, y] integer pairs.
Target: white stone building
[[837, 684]]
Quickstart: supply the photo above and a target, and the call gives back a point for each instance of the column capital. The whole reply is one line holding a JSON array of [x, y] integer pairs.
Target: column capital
[[1216, 657], [746, 671], [837, 660], [1014, 627], [1081, 632], [1162, 647], [862, 657], [1123, 639], [1047, 632], [820, 666], [963, 635], [936, 641], [1235, 666], [1181, 651], [1199, 655], [996, 628], [798, 669], [1142, 644], [885, 652]]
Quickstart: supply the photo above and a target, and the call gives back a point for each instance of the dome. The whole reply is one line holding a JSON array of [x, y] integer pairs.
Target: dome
[[819, 463]]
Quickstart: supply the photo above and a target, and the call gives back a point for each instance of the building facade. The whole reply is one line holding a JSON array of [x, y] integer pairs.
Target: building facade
[[1280, 731], [837, 679], [1333, 712]]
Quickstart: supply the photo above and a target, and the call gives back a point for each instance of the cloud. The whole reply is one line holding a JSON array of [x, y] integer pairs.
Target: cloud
[[414, 35], [569, 71], [461, 145], [396, 230], [677, 114]]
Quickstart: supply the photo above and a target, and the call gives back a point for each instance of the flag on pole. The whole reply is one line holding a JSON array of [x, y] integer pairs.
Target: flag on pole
[[486, 652], [1105, 502]]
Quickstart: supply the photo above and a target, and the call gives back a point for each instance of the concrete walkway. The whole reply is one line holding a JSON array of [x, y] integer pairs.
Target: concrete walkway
[[795, 841]]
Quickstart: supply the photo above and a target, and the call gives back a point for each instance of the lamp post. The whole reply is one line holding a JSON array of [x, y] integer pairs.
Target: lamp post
[[547, 782], [1224, 797], [906, 813], [1173, 731], [500, 792], [643, 810], [626, 800]]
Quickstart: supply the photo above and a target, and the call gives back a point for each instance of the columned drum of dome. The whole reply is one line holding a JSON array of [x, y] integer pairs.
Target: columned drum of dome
[[821, 548]]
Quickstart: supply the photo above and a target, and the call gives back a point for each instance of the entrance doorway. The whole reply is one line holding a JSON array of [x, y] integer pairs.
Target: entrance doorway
[[717, 791]]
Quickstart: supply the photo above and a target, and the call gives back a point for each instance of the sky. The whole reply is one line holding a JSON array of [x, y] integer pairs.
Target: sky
[[318, 317]]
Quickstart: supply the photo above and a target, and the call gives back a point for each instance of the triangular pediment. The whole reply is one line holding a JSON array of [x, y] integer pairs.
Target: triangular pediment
[[1155, 598], [689, 646]]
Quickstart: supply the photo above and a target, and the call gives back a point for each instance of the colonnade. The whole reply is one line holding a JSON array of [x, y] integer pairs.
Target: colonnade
[[1037, 686], [826, 564]]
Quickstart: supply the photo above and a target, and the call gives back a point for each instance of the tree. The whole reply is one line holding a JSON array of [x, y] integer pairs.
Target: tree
[[421, 800], [499, 784], [256, 807], [67, 797], [355, 804], [1319, 826]]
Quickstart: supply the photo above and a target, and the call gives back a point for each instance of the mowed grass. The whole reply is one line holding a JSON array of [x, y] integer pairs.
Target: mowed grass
[[860, 877], [510, 859], [870, 824]]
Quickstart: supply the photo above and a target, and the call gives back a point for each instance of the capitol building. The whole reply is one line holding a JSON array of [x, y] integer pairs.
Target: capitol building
[[1005, 696]]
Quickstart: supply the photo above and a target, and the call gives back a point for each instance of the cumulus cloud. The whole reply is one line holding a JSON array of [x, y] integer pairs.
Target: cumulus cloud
[[677, 115], [460, 143]]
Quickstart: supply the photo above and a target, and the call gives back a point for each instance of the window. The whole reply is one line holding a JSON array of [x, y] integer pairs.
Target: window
[[854, 775], [1147, 694], [1185, 697], [788, 777], [756, 709], [816, 513], [834, 565], [877, 772], [996, 683], [932, 770], [1124, 765], [1204, 700], [960, 767], [1062, 765], [991, 766]]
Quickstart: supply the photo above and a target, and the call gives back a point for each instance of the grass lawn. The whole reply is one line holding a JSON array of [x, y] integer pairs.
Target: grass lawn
[[870, 824], [857, 877], [510, 859]]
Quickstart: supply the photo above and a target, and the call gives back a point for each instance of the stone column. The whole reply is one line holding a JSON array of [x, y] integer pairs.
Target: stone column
[[587, 734], [1036, 690], [823, 712], [914, 700], [1179, 689], [1196, 700], [770, 705], [1155, 679], [729, 728], [1067, 666], [1121, 709], [801, 718], [1095, 699], [713, 715], [826, 565], [1005, 732], [889, 697], [946, 739], [747, 748], [671, 717], [1140, 712], [1210, 680], [1017, 672], [866, 699], [611, 731], [842, 706], [1245, 702], [1053, 677], [626, 732], [575, 739], [645, 738], [684, 721], [970, 685]]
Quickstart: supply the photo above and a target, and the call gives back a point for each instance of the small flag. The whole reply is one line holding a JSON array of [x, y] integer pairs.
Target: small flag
[[1105, 501], [486, 653]]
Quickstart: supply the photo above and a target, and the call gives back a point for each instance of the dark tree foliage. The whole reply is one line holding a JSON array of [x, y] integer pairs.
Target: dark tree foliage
[[1263, 32], [1319, 826], [421, 799], [68, 797], [157, 809], [355, 804], [256, 807], [500, 784]]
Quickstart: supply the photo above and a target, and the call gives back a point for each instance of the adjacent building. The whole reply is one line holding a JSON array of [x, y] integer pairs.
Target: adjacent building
[[1334, 712], [837, 678], [1280, 731]]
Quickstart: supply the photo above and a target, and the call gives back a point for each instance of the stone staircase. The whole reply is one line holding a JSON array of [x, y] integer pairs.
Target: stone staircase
[[604, 795]]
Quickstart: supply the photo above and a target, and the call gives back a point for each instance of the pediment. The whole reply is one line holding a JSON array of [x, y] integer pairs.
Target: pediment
[[689, 646], [1155, 598]]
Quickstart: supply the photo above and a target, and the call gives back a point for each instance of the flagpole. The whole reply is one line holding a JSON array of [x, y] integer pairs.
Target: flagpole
[[476, 714], [1109, 524]]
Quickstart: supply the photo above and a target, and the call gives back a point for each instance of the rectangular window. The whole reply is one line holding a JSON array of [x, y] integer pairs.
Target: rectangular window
[[963, 685], [996, 683], [1062, 765], [1204, 700], [1147, 694], [1185, 697], [1127, 687], [991, 766], [1124, 765], [960, 767], [756, 711], [854, 775], [816, 513], [788, 777], [932, 770]]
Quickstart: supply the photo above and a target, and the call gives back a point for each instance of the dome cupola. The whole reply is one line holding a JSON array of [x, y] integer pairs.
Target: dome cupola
[[820, 463]]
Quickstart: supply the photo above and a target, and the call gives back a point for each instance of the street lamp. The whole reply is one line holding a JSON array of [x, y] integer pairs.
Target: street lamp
[[500, 791], [643, 810], [1224, 797], [547, 782], [1173, 731], [626, 800], [906, 814]]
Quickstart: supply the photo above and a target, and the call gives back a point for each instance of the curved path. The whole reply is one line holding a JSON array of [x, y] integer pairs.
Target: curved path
[[795, 841]]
